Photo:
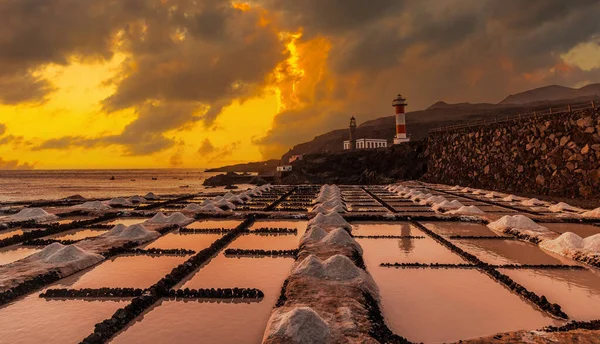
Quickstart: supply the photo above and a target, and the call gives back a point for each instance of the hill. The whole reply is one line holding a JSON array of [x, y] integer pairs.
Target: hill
[[260, 167], [552, 92], [440, 114]]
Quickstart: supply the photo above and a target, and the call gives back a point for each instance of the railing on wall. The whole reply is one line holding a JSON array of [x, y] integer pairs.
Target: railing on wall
[[519, 116]]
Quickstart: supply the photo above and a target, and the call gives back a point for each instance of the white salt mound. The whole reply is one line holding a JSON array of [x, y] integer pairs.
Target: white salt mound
[[137, 199], [566, 243], [301, 325], [445, 205], [559, 207], [340, 268], [93, 206], [432, 200], [211, 208], [173, 219], [478, 192], [119, 201], [466, 190], [455, 187], [315, 233], [510, 198], [193, 207], [224, 204], [341, 237], [592, 214], [207, 202], [329, 220], [311, 266], [592, 244], [467, 210], [517, 222], [58, 254], [35, 214], [492, 195], [150, 195], [532, 202], [135, 232]]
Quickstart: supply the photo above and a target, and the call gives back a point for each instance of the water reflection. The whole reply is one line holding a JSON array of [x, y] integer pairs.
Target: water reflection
[[36, 320], [12, 254], [510, 252], [577, 291]]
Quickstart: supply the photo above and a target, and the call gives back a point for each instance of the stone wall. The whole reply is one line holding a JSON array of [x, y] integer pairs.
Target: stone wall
[[554, 155]]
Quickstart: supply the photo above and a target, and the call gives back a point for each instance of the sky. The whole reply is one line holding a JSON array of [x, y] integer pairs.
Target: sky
[[204, 83]]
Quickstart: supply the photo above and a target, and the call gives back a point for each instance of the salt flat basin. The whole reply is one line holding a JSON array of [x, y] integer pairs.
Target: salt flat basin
[[446, 305], [10, 232], [413, 209], [199, 322], [409, 251], [78, 234], [367, 209], [266, 241], [388, 228], [34, 320], [140, 271], [577, 291], [509, 252], [583, 230], [459, 228], [300, 225], [493, 208], [206, 224], [127, 221], [188, 241], [12, 254], [264, 273]]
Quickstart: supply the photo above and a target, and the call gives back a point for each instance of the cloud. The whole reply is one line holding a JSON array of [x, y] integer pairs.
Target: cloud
[[15, 165], [187, 60], [455, 50], [2, 129], [206, 147]]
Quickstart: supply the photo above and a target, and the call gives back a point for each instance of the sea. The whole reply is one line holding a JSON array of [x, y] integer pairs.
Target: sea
[[28, 185]]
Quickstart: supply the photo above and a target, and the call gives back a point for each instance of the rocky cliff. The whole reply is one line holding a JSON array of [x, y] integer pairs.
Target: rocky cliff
[[376, 166]]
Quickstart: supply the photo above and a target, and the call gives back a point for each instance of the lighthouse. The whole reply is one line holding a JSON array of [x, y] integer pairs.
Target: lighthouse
[[399, 104], [352, 136]]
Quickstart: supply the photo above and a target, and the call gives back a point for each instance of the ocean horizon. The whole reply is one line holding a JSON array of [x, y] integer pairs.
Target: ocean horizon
[[27, 185]]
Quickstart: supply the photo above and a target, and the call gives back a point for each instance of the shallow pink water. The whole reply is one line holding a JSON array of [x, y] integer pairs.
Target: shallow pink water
[[577, 291], [78, 234], [509, 252], [35, 320], [266, 242], [438, 305], [12, 254], [10, 232], [204, 224], [409, 251], [199, 322], [459, 228], [196, 242], [124, 271], [265, 273], [391, 228], [583, 230]]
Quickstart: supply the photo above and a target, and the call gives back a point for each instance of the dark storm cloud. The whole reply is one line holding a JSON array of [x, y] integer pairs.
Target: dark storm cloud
[[327, 17], [454, 50], [188, 56], [2, 129]]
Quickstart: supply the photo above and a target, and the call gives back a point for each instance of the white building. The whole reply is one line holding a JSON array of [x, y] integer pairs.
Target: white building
[[284, 168], [367, 143]]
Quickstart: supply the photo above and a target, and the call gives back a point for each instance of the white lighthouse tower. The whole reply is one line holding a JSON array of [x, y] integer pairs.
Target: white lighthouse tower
[[399, 104]]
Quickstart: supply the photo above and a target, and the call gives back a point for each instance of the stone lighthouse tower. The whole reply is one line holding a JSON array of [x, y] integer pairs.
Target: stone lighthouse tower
[[399, 104], [352, 133]]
